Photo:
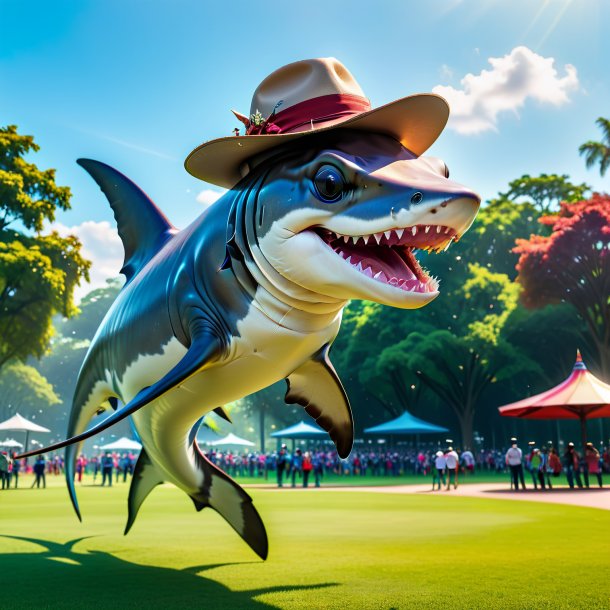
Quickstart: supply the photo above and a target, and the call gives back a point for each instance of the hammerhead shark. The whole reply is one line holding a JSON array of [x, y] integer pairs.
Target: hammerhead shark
[[250, 293]]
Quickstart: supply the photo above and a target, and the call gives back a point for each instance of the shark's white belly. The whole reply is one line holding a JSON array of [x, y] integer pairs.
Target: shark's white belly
[[262, 354]]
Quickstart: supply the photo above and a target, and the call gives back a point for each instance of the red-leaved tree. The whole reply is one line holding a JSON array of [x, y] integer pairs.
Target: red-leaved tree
[[572, 265]]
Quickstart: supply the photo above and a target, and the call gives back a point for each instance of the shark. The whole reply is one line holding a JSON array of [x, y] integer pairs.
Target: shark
[[250, 293]]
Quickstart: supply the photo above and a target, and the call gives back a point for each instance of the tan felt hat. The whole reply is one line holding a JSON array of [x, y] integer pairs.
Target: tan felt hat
[[311, 97]]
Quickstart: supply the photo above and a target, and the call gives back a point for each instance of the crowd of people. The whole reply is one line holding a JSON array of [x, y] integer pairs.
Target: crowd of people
[[545, 465], [305, 467], [105, 466]]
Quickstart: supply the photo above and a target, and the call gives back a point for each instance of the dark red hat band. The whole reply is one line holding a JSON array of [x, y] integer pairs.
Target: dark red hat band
[[310, 112]]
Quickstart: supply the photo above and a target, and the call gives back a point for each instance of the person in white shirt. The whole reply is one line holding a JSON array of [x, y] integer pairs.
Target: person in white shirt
[[514, 460], [467, 459], [438, 472], [452, 460]]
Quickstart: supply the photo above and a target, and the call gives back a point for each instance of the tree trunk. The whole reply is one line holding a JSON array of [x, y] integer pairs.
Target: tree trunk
[[466, 419]]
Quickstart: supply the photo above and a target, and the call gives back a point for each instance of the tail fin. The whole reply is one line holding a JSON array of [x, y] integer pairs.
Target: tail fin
[[219, 491], [226, 497]]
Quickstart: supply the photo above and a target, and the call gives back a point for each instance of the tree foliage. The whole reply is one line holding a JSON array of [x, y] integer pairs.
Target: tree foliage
[[572, 265], [38, 272], [24, 389], [545, 192], [598, 152], [492, 237]]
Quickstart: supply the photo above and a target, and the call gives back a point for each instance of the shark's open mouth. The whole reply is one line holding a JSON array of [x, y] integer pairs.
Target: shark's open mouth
[[389, 256]]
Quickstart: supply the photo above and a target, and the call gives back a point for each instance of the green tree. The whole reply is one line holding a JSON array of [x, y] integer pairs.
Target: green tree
[[492, 237], [598, 152], [24, 389], [545, 192], [38, 272], [460, 366], [72, 337]]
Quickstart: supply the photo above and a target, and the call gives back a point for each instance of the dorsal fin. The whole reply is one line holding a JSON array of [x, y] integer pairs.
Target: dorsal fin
[[143, 228]]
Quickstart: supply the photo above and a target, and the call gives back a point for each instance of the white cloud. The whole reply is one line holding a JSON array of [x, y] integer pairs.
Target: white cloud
[[512, 80], [102, 246], [208, 196]]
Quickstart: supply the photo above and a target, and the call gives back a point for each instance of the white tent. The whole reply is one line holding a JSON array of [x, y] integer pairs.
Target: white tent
[[21, 424], [122, 444], [231, 439], [10, 442]]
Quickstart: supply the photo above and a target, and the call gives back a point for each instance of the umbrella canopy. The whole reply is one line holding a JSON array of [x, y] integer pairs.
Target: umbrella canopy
[[300, 430], [22, 424], [406, 424], [231, 439], [10, 442], [122, 444], [581, 396]]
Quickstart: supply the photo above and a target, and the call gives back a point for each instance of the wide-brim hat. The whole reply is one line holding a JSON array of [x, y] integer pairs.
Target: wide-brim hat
[[312, 97]]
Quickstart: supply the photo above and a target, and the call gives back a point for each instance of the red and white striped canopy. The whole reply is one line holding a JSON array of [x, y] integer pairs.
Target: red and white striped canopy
[[580, 396]]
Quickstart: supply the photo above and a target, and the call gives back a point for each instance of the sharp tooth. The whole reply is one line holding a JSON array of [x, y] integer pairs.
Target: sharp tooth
[[446, 229], [438, 228], [378, 275], [393, 282], [359, 266], [355, 239], [346, 238], [399, 232], [368, 272], [339, 252], [378, 237], [348, 260], [414, 230], [427, 228], [388, 234]]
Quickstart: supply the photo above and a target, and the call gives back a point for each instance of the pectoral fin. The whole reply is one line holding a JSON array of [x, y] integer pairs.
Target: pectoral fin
[[145, 479], [222, 413], [202, 350], [316, 386]]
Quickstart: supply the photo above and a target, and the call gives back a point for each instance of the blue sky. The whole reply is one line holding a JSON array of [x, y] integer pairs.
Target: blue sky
[[139, 84]]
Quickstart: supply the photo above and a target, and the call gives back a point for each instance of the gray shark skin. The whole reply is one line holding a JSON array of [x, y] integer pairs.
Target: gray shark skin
[[252, 292]]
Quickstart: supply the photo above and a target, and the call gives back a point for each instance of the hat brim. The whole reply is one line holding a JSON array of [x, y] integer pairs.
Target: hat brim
[[415, 121]]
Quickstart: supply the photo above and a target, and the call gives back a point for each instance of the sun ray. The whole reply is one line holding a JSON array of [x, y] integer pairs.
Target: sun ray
[[560, 13]]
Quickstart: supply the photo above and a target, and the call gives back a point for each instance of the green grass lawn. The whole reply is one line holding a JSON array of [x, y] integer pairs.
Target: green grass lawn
[[335, 480], [327, 550]]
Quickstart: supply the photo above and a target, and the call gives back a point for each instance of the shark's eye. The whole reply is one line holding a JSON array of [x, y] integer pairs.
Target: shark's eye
[[329, 184]]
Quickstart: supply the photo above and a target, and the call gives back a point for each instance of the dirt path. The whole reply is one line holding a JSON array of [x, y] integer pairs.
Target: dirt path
[[592, 498]]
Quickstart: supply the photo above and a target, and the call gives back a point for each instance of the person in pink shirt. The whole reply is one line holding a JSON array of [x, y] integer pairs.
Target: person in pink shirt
[[81, 462]]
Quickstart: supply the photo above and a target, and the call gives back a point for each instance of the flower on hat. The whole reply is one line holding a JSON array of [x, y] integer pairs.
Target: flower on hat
[[257, 119]]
